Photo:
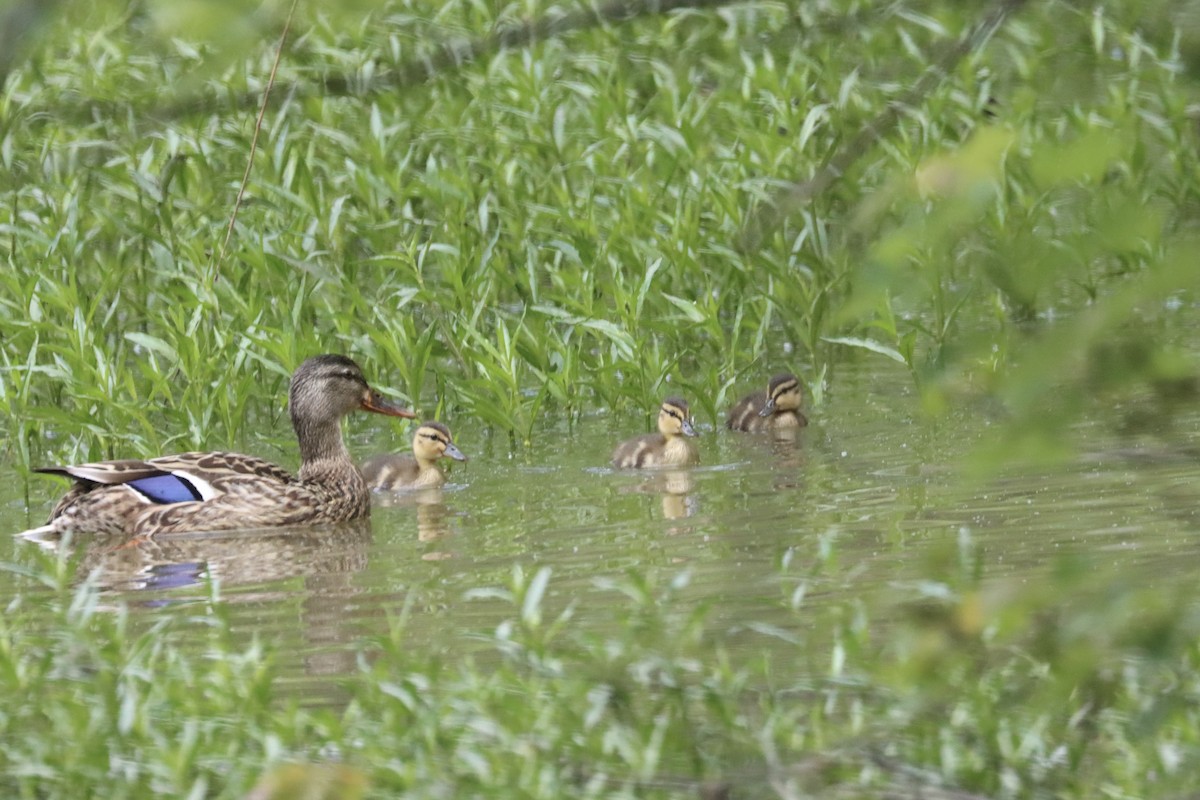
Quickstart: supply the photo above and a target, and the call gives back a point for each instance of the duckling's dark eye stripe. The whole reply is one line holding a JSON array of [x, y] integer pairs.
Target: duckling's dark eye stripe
[[673, 413]]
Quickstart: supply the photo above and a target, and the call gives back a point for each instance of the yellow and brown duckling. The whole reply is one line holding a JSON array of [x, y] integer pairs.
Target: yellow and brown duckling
[[777, 408], [223, 491], [667, 448], [418, 471]]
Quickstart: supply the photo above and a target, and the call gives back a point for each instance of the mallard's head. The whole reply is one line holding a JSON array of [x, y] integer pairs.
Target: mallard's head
[[327, 388]]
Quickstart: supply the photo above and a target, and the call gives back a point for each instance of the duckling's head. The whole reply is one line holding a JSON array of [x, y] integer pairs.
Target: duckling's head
[[432, 441], [783, 394], [674, 418], [327, 388]]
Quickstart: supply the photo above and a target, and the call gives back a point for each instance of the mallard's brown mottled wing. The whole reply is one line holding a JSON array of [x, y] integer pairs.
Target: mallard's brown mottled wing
[[206, 471], [253, 502], [108, 473], [219, 465], [744, 415], [235, 491], [389, 472]]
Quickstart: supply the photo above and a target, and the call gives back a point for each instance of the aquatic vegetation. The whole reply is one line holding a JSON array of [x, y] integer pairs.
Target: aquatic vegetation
[[550, 223]]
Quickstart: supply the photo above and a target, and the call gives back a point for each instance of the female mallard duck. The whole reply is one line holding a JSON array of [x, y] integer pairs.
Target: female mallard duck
[[668, 447], [774, 409], [418, 471], [221, 491]]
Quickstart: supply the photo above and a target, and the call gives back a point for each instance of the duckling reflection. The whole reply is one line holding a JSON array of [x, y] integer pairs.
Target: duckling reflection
[[789, 459], [431, 441], [776, 409], [433, 515], [674, 486], [668, 447]]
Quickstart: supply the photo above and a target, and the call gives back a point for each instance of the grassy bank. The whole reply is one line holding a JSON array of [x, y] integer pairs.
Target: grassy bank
[[577, 223]]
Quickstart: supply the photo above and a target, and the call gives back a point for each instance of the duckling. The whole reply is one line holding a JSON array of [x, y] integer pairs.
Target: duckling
[[775, 409], [668, 447], [418, 471]]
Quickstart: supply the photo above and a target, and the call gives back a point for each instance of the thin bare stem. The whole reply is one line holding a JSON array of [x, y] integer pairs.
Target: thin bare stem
[[262, 112]]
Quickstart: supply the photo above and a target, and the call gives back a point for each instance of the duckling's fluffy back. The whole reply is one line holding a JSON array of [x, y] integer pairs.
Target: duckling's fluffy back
[[654, 450], [390, 472], [744, 416]]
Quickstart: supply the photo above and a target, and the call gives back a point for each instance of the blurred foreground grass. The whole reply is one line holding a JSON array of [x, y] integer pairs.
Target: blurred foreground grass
[[1060, 690]]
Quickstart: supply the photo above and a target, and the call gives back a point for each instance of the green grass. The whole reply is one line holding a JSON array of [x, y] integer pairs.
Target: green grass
[[559, 227]]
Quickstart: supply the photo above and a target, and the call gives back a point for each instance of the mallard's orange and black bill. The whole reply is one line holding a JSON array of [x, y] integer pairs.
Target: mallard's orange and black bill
[[374, 401]]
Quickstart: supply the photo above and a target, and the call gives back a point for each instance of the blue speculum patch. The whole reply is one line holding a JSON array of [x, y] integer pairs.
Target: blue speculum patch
[[166, 489]]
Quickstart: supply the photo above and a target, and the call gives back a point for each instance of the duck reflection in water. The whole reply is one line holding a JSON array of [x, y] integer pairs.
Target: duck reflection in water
[[119, 563], [676, 487], [787, 447], [250, 567]]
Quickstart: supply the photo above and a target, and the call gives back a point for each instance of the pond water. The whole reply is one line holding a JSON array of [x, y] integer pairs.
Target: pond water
[[854, 507]]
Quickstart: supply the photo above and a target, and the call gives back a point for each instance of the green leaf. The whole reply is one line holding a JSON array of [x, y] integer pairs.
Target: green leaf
[[866, 344]]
